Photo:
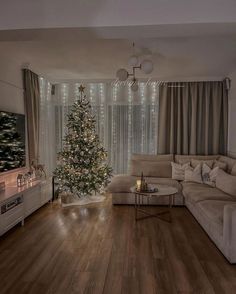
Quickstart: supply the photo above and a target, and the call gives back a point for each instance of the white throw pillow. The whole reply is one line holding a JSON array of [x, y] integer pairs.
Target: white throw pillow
[[195, 162], [233, 172], [226, 182], [220, 164], [193, 174], [209, 175], [178, 170]]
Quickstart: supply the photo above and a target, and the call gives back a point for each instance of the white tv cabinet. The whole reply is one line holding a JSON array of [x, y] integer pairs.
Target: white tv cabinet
[[18, 203]]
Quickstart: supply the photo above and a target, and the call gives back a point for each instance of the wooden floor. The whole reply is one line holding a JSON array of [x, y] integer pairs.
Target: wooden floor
[[100, 249]]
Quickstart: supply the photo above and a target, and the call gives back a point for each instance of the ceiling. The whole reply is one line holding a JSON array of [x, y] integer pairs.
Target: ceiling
[[174, 57], [26, 14], [80, 40]]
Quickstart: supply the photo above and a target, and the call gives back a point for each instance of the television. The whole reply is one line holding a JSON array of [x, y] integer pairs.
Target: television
[[12, 141]]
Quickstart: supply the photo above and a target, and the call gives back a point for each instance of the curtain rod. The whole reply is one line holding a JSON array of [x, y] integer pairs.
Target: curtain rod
[[72, 81]]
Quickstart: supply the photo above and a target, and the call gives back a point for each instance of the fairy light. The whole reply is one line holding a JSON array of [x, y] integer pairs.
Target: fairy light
[[109, 131], [42, 106], [64, 96], [153, 130], [114, 142], [102, 116], [142, 94], [76, 91], [130, 98]]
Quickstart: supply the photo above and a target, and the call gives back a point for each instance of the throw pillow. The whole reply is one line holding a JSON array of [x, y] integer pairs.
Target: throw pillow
[[195, 162], [209, 175], [184, 161], [178, 170], [193, 174], [233, 172], [226, 182], [220, 164]]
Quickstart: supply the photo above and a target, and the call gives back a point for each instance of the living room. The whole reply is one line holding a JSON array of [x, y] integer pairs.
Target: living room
[[118, 146]]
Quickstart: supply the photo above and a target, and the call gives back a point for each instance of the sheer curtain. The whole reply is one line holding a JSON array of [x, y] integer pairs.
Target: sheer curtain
[[126, 122], [47, 150]]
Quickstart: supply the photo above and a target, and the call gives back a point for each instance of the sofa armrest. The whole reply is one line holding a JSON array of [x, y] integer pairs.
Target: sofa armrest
[[229, 231]]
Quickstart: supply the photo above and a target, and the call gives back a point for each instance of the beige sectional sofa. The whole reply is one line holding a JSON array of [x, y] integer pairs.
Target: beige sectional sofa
[[214, 209]]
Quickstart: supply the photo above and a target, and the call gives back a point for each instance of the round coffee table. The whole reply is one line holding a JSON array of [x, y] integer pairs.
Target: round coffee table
[[163, 191]]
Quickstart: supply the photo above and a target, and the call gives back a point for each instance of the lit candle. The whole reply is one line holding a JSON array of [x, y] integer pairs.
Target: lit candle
[[138, 184]]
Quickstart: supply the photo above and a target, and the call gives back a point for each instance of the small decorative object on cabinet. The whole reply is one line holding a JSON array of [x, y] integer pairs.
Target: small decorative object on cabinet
[[20, 180], [2, 186], [38, 170]]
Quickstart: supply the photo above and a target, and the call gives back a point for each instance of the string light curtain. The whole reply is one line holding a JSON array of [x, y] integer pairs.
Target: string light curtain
[[126, 122], [47, 154]]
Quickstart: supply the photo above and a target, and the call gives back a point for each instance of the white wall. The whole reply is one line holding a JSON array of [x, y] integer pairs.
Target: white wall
[[11, 91], [232, 116]]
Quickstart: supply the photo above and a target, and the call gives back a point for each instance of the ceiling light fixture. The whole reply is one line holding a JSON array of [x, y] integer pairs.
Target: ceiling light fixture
[[145, 66]]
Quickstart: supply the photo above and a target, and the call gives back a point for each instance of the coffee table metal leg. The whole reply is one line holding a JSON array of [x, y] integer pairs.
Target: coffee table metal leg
[[139, 201], [170, 206]]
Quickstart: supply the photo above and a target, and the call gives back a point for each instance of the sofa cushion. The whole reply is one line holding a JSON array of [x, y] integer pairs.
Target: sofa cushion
[[199, 192], [226, 182], [123, 183], [213, 213], [214, 209], [230, 162], [152, 157], [233, 172], [178, 170], [159, 169], [209, 175], [187, 158], [196, 162], [220, 164], [193, 174]]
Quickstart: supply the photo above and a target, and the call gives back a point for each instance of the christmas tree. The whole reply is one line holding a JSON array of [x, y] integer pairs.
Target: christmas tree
[[82, 168], [12, 147]]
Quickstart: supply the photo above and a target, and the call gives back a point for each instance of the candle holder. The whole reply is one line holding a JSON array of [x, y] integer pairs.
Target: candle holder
[[142, 186], [20, 180]]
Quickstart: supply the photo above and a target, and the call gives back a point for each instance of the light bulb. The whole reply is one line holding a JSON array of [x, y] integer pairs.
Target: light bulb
[[147, 66], [133, 60], [122, 74]]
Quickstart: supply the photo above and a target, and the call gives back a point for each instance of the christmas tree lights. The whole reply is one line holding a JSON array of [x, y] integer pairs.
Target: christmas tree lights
[[82, 168], [12, 148]]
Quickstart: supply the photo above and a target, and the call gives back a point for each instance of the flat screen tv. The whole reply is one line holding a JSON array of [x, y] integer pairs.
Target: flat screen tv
[[12, 141]]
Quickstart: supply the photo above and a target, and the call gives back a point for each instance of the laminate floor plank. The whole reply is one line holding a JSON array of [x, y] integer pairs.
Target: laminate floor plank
[[101, 249]]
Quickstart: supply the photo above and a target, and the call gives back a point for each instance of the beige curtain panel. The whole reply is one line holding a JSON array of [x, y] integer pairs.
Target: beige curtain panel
[[32, 104], [193, 118]]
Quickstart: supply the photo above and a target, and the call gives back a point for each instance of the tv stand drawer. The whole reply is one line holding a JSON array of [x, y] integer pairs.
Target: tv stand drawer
[[12, 212]]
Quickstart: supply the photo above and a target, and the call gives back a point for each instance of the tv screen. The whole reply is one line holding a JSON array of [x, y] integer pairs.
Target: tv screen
[[12, 141]]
